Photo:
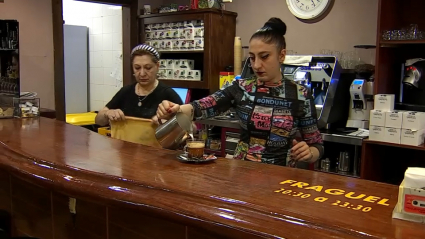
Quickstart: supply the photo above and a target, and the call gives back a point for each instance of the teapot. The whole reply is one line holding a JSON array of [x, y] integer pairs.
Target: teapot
[[173, 132]]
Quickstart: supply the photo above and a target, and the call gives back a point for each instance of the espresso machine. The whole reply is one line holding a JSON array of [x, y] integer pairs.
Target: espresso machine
[[322, 76]]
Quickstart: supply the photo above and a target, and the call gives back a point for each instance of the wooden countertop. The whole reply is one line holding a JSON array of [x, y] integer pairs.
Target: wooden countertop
[[242, 196]]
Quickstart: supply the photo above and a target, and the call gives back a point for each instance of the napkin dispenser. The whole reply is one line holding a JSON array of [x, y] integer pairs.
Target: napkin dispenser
[[411, 196]]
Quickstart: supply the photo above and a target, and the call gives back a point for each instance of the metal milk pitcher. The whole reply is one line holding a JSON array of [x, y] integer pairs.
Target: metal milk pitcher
[[172, 133]]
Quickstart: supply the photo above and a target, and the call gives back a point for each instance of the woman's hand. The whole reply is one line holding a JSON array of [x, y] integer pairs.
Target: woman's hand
[[301, 151], [166, 109], [115, 115]]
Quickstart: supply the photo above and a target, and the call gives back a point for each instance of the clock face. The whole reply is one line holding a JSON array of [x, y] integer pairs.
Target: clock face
[[308, 9]]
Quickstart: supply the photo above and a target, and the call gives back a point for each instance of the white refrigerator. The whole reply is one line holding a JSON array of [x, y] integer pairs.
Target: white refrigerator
[[76, 68]]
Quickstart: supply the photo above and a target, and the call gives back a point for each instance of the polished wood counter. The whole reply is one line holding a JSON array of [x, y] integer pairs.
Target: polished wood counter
[[125, 190]]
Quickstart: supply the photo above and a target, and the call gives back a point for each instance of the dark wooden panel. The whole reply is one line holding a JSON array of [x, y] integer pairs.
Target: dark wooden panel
[[411, 12], [59, 65], [31, 209], [113, 2], [222, 32], [186, 84], [89, 221], [130, 39], [388, 72], [48, 113], [31, 193], [216, 232], [125, 223], [5, 200], [387, 162], [388, 15], [152, 194], [189, 12]]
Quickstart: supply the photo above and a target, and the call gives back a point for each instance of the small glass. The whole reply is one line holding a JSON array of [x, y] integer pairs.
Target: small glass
[[195, 148]]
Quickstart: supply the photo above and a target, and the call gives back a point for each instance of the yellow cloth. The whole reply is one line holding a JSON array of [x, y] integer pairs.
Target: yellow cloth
[[135, 130], [81, 119]]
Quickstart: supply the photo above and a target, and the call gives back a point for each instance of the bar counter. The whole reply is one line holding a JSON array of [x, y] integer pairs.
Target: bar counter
[[125, 190]]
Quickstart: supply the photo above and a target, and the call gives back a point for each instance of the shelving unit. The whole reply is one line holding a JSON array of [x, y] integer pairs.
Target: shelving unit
[[9, 66], [219, 35], [382, 161]]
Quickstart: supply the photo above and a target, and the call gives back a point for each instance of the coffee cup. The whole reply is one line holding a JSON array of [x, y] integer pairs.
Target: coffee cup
[[195, 148]]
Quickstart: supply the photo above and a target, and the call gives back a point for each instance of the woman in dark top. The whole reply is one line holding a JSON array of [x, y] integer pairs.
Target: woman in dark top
[[140, 99], [270, 107]]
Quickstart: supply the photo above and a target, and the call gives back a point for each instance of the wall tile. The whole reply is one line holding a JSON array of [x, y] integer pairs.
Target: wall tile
[[107, 58], [107, 24], [97, 10], [96, 75], [109, 92], [96, 105], [96, 59], [108, 10], [117, 24], [107, 79], [96, 92], [117, 41], [96, 42], [96, 26], [107, 42]]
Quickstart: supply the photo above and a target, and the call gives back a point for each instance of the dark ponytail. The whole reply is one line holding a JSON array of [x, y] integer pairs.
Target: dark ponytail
[[273, 32]]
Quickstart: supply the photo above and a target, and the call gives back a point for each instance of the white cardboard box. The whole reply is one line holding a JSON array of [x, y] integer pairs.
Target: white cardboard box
[[169, 64], [377, 117], [377, 133], [194, 75], [412, 137], [393, 135], [186, 64], [394, 119], [384, 102], [413, 120], [169, 74], [180, 74]]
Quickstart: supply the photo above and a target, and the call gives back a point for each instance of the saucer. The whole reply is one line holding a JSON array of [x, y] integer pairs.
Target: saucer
[[186, 159]]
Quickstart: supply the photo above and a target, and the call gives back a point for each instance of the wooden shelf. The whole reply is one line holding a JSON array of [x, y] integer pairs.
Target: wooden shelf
[[196, 51], [400, 43], [185, 84], [420, 147], [212, 151], [219, 35], [192, 11]]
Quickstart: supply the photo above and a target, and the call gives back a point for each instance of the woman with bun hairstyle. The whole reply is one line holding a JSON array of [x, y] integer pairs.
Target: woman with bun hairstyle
[[271, 108], [141, 98]]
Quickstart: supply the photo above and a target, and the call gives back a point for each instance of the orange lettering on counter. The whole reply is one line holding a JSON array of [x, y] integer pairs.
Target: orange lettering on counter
[[336, 192]]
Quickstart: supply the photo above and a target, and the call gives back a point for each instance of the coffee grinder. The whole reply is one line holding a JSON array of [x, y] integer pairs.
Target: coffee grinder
[[361, 92]]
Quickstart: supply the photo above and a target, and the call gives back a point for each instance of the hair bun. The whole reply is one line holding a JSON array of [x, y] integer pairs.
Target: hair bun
[[276, 24]]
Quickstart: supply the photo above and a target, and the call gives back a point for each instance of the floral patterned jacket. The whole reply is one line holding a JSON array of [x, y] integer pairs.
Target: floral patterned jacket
[[270, 116]]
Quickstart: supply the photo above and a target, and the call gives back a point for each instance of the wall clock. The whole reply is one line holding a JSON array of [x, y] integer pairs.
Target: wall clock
[[308, 9]]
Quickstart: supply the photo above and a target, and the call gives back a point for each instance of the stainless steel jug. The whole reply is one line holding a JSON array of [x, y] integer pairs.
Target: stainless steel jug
[[173, 132], [344, 163]]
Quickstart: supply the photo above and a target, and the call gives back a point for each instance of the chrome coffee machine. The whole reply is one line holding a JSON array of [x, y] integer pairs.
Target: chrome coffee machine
[[321, 74], [412, 95]]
